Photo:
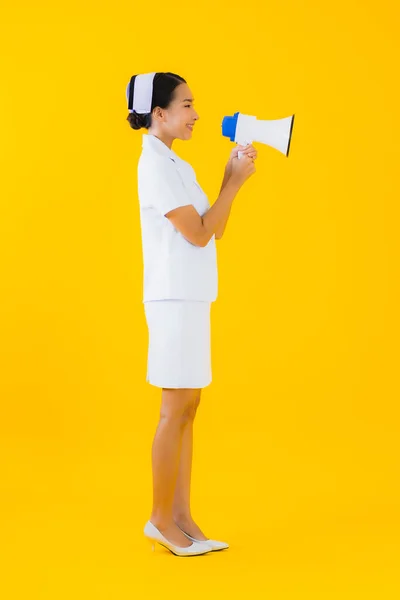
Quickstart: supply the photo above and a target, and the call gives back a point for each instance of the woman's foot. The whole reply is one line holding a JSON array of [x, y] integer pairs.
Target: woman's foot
[[172, 532], [189, 526]]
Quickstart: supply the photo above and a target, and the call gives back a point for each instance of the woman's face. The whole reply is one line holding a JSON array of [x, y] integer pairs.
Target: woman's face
[[175, 121]]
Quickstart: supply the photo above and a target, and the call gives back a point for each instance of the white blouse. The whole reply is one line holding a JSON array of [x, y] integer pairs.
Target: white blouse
[[174, 268]]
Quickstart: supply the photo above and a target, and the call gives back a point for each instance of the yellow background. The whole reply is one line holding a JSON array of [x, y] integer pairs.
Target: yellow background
[[297, 453]]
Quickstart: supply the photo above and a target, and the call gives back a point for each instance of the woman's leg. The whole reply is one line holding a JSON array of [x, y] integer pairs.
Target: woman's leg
[[176, 409], [181, 507]]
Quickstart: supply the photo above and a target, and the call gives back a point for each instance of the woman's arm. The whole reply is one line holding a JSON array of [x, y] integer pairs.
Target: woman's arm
[[199, 230], [250, 151], [222, 224]]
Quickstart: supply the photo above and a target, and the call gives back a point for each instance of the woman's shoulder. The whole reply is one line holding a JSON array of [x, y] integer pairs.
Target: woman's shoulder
[[155, 162], [156, 166]]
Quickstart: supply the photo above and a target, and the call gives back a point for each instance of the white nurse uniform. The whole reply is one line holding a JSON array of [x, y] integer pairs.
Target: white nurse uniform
[[180, 279]]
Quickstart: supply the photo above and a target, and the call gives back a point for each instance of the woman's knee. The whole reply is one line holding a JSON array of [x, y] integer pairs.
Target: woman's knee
[[196, 401], [192, 407], [179, 404]]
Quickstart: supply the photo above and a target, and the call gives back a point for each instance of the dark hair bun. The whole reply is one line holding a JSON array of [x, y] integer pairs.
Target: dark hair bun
[[137, 121]]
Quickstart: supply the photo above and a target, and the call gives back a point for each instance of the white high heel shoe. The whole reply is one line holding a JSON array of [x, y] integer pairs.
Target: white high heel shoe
[[214, 544], [154, 535]]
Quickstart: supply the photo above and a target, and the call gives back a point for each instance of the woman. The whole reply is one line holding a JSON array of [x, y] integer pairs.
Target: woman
[[179, 229]]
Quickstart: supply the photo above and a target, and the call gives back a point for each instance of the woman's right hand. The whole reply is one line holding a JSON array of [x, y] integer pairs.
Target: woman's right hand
[[242, 169]]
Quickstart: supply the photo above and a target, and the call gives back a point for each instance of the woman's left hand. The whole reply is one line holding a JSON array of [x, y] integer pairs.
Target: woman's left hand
[[249, 150]]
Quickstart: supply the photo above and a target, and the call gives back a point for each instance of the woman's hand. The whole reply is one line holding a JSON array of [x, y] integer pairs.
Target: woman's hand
[[242, 169], [248, 150]]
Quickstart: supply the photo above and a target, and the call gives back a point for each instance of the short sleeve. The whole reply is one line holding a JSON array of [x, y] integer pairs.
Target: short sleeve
[[167, 188]]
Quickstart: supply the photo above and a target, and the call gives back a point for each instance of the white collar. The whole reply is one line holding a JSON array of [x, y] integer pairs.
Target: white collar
[[154, 143]]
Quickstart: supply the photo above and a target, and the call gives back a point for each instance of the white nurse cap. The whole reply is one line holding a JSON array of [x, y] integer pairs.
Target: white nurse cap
[[140, 94]]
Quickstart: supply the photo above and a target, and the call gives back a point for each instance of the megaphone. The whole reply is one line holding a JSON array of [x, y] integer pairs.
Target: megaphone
[[244, 129]]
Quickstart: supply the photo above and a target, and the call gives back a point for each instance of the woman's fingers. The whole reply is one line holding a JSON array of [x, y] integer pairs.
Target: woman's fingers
[[250, 151]]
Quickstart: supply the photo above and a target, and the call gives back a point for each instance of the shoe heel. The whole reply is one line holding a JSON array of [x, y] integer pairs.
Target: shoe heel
[[155, 536], [152, 544]]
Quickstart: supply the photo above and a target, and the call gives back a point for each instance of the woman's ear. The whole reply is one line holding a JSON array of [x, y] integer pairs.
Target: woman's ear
[[158, 113]]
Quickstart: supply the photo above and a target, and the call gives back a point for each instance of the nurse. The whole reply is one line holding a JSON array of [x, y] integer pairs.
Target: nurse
[[179, 228]]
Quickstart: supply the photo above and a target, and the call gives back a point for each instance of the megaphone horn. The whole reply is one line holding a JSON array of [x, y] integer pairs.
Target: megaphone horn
[[246, 129]]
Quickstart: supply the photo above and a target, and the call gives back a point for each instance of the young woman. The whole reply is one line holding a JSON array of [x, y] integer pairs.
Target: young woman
[[179, 229]]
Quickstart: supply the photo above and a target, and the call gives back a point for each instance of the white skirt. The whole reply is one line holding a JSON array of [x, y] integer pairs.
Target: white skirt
[[179, 352]]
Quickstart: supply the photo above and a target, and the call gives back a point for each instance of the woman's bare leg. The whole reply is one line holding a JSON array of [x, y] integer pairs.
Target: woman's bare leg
[[176, 407], [181, 507]]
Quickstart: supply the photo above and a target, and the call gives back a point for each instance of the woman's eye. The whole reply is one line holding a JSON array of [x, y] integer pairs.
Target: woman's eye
[[187, 105]]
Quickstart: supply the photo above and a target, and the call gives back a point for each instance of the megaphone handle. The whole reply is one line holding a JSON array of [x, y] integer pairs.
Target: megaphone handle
[[240, 154]]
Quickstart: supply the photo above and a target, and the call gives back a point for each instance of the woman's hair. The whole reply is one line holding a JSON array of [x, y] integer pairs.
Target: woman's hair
[[164, 85]]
